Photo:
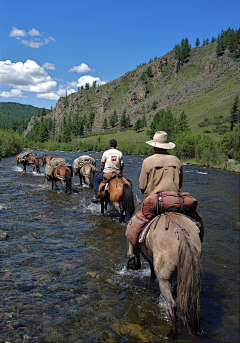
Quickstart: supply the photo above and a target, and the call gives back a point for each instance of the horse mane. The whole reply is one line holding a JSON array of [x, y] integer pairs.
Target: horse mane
[[189, 283]]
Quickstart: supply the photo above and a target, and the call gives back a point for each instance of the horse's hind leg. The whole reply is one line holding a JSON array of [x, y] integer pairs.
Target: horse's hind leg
[[116, 205], [165, 289], [102, 207]]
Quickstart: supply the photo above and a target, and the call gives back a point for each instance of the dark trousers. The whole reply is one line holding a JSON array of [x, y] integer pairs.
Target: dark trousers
[[97, 181]]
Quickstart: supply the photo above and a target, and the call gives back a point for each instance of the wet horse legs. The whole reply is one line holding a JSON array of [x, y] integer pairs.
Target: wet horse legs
[[116, 205], [165, 289]]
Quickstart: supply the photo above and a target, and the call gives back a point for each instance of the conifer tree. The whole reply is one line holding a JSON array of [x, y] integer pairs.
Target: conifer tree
[[123, 120], [113, 119], [197, 43], [235, 113], [105, 124], [144, 121]]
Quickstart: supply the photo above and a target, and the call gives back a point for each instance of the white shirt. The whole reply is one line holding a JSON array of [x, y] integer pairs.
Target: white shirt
[[113, 159]]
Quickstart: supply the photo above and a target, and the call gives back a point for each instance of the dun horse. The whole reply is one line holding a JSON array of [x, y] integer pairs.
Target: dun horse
[[119, 193], [173, 249], [86, 174], [47, 159], [29, 159]]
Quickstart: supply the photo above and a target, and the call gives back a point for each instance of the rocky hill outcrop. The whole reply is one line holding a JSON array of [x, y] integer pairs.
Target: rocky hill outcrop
[[170, 83]]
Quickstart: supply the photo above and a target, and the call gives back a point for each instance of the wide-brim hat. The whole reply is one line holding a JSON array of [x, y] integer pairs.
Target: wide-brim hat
[[160, 140]]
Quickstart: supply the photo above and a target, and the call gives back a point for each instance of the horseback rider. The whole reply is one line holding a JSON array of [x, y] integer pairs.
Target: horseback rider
[[160, 172], [112, 161]]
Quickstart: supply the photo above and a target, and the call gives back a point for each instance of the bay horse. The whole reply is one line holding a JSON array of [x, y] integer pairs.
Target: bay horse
[[64, 175], [47, 159], [119, 190], [172, 247], [28, 159]]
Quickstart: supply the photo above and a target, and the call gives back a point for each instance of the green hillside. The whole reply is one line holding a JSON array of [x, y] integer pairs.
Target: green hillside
[[13, 111]]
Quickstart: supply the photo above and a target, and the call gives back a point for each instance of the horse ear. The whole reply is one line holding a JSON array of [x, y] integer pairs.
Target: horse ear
[[139, 201]]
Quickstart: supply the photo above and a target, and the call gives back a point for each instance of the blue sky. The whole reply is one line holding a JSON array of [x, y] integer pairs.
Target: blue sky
[[52, 47]]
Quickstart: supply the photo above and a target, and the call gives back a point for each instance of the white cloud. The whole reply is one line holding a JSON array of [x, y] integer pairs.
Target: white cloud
[[33, 41], [55, 95], [87, 79], [28, 76], [82, 68], [35, 44], [14, 93], [49, 66], [17, 33], [34, 32]]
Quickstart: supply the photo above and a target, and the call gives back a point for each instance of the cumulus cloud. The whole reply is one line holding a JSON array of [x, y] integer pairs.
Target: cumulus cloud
[[17, 33], [55, 95], [34, 32], [28, 76], [49, 66], [33, 41], [82, 68], [86, 79], [14, 93]]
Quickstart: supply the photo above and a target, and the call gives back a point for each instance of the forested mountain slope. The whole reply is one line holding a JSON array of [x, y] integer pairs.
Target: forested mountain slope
[[203, 85]]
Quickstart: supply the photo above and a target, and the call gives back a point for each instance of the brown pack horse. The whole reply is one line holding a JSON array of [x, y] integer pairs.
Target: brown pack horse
[[64, 175], [47, 159], [119, 192], [31, 160], [173, 249]]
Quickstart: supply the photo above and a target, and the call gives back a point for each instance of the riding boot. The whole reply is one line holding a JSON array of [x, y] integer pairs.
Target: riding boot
[[96, 199], [133, 256]]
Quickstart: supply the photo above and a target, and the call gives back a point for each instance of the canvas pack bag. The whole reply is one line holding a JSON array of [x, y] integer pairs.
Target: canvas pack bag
[[79, 162], [157, 203], [135, 226]]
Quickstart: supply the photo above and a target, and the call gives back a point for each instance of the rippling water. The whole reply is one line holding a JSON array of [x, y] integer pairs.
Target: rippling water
[[63, 268]]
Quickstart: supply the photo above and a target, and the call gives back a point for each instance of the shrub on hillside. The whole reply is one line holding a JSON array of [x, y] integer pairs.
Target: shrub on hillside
[[10, 143]]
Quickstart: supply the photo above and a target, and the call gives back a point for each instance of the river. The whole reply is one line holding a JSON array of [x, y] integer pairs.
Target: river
[[63, 267]]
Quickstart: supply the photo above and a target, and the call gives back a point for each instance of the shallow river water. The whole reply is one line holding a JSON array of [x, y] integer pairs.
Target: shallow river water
[[63, 267]]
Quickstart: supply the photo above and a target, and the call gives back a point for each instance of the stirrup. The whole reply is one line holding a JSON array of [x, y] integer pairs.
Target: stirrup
[[134, 262], [95, 199]]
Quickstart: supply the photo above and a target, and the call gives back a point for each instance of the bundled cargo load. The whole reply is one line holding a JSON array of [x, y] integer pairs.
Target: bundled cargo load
[[157, 203], [81, 161]]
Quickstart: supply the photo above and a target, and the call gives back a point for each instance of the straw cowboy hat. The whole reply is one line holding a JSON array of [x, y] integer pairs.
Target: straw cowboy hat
[[160, 140]]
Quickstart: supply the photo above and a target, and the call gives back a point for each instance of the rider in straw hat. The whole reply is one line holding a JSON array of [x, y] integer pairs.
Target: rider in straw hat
[[160, 172]]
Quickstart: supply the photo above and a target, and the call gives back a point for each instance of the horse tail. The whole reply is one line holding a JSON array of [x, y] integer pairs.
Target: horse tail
[[189, 283], [127, 199], [68, 176], [37, 164]]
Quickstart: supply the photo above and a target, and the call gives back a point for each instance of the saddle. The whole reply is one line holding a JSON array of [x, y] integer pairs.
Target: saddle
[[107, 178]]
